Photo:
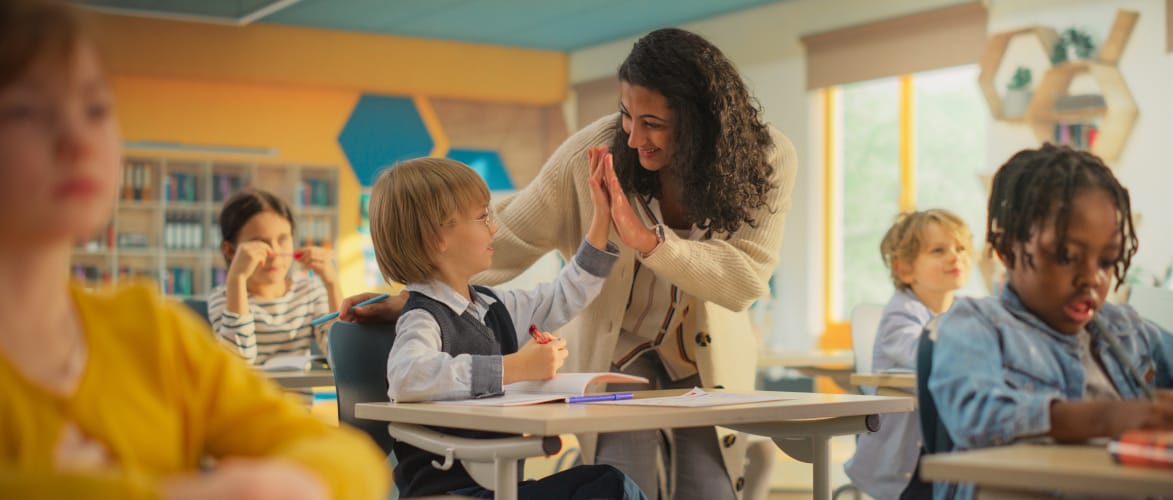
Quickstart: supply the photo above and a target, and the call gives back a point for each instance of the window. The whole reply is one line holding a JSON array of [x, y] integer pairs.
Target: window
[[898, 144]]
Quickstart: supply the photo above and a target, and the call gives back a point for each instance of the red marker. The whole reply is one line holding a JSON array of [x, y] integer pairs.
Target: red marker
[[538, 336]]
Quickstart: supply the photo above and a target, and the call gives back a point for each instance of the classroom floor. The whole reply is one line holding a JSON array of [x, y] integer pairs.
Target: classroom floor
[[790, 480]]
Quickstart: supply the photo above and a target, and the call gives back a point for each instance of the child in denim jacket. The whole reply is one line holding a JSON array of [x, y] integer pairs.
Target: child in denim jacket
[[1048, 358]]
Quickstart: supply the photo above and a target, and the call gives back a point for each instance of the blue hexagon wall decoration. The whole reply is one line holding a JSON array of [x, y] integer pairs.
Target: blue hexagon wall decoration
[[380, 131], [488, 164]]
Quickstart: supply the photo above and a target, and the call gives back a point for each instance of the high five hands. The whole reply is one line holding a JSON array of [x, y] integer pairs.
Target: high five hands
[[605, 189]]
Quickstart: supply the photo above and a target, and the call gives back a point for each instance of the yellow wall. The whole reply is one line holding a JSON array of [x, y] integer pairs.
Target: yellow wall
[[292, 89], [281, 55]]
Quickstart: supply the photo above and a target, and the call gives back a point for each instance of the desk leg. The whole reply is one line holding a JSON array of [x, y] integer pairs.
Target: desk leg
[[506, 480], [821, 462]]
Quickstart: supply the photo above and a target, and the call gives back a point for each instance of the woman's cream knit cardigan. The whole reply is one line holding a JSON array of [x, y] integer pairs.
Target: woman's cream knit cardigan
[[720, 275]]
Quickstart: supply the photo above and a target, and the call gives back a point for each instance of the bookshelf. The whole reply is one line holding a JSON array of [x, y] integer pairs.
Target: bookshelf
[[1100, 122], [165, 228]]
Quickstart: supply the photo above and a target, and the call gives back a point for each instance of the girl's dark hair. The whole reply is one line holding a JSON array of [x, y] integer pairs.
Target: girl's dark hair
[[243, 205], [720, 141], [1036, 186], [32, 29]]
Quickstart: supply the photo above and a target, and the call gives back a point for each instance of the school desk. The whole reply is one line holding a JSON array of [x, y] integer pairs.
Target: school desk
[[887, 384], [1023, 469], [837, 365], [801, 425], [301, 379]]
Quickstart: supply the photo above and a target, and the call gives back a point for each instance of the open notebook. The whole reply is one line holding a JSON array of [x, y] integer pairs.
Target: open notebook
[[559, 388], [295, 362]]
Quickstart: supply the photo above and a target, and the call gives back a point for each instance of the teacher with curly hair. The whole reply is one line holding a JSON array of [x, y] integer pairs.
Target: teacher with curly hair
[[699, 188]]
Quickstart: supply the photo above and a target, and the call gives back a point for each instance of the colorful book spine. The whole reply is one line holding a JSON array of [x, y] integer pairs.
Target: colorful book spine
[[1144, 449]]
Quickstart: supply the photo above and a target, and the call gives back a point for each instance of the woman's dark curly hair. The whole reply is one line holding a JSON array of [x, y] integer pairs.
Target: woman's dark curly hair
[[1036, 186], [720, 141]]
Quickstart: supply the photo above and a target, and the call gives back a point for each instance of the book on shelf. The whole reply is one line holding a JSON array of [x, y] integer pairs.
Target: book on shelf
[[560, 388], [1076, 135], [1143, 448]]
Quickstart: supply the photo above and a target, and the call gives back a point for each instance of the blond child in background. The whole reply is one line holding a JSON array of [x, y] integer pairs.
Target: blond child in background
[[433, 230], [120, 394], [928, 254], [260, 310]]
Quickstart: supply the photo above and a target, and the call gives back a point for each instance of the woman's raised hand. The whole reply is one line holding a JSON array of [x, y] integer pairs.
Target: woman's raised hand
[[631, 229]]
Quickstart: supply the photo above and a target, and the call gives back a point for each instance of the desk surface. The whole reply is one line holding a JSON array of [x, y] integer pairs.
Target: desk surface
[[561, 418], [300, 379], [808, 359], [1047, 468], [898, 380]]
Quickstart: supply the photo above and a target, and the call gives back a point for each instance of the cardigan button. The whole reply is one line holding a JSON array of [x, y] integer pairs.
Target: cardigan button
[[740, 483], [730, 439]]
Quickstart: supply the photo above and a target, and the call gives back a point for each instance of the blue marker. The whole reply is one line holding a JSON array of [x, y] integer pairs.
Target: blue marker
[[327, 317], [619, 396]]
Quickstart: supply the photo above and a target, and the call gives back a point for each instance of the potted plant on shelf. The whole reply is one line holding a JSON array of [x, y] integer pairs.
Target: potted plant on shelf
[[1078, 44], [1018, 93]]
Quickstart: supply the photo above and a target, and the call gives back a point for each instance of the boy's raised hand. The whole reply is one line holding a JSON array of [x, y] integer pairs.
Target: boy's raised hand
[[534, 361]]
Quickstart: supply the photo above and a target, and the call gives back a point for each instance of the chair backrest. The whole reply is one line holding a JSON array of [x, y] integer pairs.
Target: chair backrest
[[1153, 304], [865, 321], [935, 437], [358, 357], [200, 306]]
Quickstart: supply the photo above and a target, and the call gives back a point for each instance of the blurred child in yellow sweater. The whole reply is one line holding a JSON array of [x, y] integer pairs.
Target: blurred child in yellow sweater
[[120, 394]]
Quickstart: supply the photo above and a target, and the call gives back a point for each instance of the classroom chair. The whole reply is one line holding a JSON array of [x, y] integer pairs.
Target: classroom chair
[[358, 358], [200, 306], [865, 322], [935, 438]]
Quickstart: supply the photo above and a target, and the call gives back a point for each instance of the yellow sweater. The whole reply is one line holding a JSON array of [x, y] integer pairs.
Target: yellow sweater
[[159, 394]]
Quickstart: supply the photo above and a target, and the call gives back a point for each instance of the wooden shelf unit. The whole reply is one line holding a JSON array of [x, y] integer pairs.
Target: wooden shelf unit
[[165, 224], [1114, 120]]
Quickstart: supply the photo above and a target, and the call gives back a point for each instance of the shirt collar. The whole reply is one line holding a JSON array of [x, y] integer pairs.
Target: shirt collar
[[444, 294]]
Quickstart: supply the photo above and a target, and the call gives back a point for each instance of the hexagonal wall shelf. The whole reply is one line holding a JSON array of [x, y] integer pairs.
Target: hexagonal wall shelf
[[1117, 114], [992, 61]]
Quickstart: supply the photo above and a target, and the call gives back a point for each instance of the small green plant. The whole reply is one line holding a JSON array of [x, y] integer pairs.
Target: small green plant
[[1020, 80], [1080, 41], [1059, 52]]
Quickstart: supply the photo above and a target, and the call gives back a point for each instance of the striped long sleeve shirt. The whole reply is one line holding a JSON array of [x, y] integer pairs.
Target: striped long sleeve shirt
[[272, 327]]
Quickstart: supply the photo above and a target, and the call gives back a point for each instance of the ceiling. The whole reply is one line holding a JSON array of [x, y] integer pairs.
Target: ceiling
[[561, 25]]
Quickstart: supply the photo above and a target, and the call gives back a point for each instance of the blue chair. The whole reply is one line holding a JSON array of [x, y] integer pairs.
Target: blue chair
[[200, 306], [358, 358], [935, 437]]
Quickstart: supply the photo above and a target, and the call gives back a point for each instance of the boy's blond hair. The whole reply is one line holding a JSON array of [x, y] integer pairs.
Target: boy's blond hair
[[903, 240], [409, 204]]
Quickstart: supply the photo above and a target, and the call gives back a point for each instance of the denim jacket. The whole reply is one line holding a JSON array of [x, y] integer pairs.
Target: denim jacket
[[997, 368]]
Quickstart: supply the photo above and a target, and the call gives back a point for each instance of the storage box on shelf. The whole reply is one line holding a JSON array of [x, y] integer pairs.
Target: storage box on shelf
[[165, 225]]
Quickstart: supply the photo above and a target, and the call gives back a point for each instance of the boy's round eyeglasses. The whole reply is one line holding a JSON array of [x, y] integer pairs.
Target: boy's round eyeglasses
[[488, 220]]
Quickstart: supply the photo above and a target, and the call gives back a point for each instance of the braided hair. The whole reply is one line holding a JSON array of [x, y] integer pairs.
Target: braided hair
[[720, 140], [1037, 186]]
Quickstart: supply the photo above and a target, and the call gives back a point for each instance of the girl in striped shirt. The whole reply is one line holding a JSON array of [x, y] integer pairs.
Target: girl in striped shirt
[[260, 310]]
